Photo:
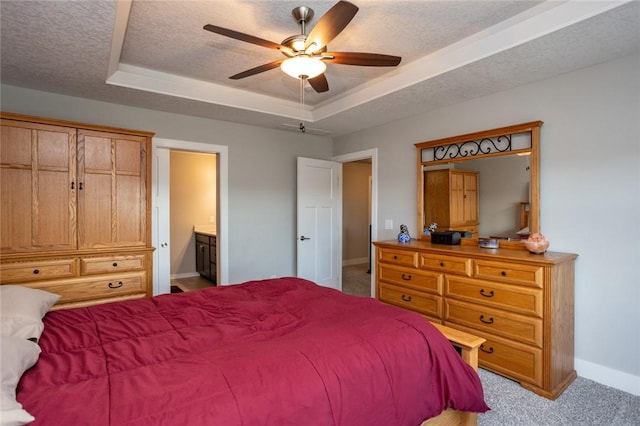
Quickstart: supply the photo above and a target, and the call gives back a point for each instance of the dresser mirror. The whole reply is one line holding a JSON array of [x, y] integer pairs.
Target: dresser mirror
[[484, 183]]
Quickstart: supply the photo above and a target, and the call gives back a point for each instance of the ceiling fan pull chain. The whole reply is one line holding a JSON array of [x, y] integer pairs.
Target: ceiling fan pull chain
[[302, 127]]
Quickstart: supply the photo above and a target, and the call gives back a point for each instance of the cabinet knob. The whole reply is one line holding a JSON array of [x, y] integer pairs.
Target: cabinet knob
[[441, 263], [503, 273], [395, 257], [36, 271], [406, 277], [115, 264]]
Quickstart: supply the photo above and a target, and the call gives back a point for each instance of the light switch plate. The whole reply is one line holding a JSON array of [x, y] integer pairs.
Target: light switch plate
[[388, 224]]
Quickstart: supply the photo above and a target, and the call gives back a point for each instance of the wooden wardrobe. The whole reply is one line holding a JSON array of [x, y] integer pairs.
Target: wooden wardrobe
[[75, 210]]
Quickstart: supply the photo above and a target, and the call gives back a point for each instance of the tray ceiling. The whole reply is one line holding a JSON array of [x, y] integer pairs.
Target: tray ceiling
[[155, 54]]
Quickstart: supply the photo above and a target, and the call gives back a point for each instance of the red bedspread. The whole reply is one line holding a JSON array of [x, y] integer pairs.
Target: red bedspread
[[278, 352]]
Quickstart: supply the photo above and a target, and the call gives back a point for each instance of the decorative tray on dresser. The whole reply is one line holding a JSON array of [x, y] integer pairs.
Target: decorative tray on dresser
[[521, 303]]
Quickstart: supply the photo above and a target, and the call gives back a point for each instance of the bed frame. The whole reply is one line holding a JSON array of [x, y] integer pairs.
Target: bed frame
[[467, 345]]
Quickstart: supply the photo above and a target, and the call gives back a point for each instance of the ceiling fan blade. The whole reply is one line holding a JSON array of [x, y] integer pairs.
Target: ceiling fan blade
[[330, 25], [257, 70], [363, 59], [242, 36], [319, 83]]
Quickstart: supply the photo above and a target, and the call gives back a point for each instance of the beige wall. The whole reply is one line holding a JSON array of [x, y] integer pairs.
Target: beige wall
[[193, 202], [355, 212]]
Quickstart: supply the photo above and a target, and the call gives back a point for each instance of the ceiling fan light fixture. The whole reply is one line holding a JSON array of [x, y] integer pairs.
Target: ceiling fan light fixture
[[303, 65]]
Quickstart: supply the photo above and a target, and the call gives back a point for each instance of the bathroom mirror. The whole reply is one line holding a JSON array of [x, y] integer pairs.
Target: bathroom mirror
[[484, 183]]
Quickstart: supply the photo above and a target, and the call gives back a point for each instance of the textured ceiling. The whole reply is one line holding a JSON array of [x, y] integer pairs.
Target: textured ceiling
[[155, 54]]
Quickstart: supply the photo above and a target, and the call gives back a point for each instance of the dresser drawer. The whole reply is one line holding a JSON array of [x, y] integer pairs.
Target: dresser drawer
[[445, 264], [398, 257], [523, 300], [111, 264], [425, 303], [506, 324], [411, 277], [18, 272], [86, 289], [515, 273], [518, 361]]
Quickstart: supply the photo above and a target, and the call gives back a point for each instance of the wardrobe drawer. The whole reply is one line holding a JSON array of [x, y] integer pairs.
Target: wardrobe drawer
[[17, 272], [446, 264], [111, 264], [397, 257], [84, 289], [515, 273], [506, 324], [523, 300], [411, 277], [424, 303]]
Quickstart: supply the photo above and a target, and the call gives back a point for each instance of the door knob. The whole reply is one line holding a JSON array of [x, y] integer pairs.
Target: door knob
[[302, 238]]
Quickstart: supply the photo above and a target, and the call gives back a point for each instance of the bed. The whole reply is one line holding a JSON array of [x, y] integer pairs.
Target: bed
[[276, 352]]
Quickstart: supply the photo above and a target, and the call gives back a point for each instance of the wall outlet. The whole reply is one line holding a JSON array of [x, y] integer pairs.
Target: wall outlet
[[388, 224]]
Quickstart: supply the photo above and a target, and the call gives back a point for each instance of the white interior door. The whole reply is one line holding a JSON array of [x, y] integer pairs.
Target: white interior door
[[160, 220], [319, 238]]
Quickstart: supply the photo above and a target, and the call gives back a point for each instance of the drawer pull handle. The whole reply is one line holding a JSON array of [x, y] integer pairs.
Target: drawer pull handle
[[485, 294], [406, 277], [115, 264], [489, 351], [36, 271], [406, 298], [503, 273], [490, 321], [116, 286]]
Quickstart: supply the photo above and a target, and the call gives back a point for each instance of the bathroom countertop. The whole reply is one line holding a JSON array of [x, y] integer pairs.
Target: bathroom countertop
[[205, 229]]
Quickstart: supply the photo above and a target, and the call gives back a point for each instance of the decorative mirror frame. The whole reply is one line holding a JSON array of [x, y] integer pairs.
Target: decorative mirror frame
[[515, 139]]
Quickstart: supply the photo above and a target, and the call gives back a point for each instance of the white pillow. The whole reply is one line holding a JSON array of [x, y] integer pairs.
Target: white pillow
[[18, 355], [22, 310]]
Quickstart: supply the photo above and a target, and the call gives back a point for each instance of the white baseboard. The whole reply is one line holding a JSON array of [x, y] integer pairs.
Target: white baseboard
[[185, 275], [608, 376], [357, 261]]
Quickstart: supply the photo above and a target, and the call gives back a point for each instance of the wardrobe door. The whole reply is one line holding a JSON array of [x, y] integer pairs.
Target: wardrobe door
[[113, 198], [38, 175]]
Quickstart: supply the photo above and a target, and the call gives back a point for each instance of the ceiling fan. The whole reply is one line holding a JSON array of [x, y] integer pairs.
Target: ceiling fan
[[306, 55]]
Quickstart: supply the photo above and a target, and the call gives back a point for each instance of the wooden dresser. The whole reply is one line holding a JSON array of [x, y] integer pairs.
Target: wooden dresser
[[521, 303], [75, 209]]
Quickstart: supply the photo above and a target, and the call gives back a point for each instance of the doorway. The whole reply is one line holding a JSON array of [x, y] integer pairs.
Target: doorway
[[359, 213], [161, 200]]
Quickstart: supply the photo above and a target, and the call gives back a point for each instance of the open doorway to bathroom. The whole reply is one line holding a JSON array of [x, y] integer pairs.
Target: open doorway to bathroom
[[193, 212], [173, 231]]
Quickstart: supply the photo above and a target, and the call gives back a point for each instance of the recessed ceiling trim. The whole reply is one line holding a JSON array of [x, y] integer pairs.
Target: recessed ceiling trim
[[534, 23], [123, 9], [173, 85], [529, 25]]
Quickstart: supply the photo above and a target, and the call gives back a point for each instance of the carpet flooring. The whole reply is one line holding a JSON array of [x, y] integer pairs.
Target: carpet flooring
[[356, 281], [584, 403]]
